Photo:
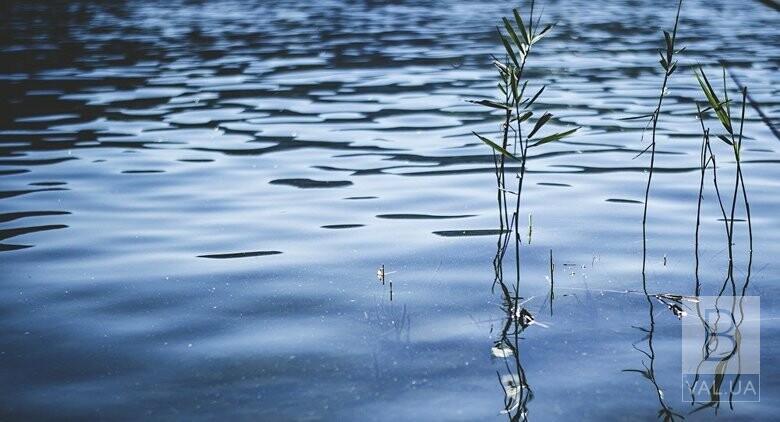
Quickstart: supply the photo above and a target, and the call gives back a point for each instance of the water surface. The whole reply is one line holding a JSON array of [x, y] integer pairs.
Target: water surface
[[195, 198]]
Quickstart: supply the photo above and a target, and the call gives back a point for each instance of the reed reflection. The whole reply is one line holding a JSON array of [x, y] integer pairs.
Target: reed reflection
[[512, 377]]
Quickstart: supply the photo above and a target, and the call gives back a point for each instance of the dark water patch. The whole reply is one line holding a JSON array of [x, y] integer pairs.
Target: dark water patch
[[7, 247], [554, 184], [618, 169], [368, 171], [142, 171], [311, 184], [624, 201], [283, 144], [422, 216], [41, 162], [762, 161], [239, 254], [12, 172], [48, 183], [357, 198], [9, 233], [469, 233], [10, 216], [195, 160], [342, 226], [12, 193]]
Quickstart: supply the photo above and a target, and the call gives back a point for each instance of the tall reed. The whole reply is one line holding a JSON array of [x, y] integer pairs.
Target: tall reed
[[669, 65], [516, 133]]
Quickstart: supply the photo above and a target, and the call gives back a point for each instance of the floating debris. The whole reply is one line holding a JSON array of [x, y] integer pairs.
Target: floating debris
[[674, 303], [380, 274], [500, 350]]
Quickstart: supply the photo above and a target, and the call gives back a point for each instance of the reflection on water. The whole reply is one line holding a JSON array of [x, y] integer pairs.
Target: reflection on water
[[194, 197], [507, 346]]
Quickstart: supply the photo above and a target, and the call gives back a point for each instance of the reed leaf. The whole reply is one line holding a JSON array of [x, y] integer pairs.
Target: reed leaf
[[725, 139], [712, 98], [490, 103], [523, 31], [539, 123], [541, 34], [644, 116], [535, 97], [496, 147], [554, 137], [509, 50], [523, 117]]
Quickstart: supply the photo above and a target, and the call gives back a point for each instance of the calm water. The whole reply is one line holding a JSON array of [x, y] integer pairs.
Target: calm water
[[196, 197]]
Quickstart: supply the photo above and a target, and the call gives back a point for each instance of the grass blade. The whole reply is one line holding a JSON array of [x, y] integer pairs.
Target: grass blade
[[644, 116], [542, 33], [523, 31], [554, 137], [492, 104], [535, 97], [509, 50], [495, 146], [539, 123]]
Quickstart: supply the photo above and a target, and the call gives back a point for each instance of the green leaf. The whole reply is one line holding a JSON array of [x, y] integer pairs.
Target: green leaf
[[522, 90], [539, 123], [492, 104], [673, 68], [554, 137], [513, 84], [712, 98], [644, 116], [513, 35], [669, 45], [725, 139], [542, 33], [523, 31], [509, 50], [523, 117], [721, 112], [644, 373], [706, 109], [535, 96], [495, 146], [663, 61]]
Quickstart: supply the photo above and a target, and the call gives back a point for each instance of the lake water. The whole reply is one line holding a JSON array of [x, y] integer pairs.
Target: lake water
[[197, 195]]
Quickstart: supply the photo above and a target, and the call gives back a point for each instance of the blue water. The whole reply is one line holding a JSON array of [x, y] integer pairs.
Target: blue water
[[195, 198]]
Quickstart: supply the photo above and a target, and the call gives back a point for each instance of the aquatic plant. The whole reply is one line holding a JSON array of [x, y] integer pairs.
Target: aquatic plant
[[516, 133], [733, 138], [669, 65], [520, 130]]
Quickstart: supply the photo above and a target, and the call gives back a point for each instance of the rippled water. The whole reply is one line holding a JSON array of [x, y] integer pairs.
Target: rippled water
[[196, 197]]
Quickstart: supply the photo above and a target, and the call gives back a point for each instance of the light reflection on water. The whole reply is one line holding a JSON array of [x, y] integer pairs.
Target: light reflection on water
[[156, 157]]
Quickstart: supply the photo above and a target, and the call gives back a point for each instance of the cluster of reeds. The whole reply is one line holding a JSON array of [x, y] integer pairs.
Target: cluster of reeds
[[521, 131], [720, 107]]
